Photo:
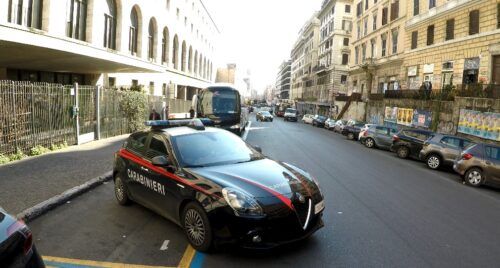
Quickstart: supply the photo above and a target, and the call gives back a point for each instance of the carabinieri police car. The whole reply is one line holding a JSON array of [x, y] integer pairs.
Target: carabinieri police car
[[218, 188]]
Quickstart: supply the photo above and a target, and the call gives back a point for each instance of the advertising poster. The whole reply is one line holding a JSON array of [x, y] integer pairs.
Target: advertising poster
[[422, 118], [391, 114], [483, 125], [405, 116]]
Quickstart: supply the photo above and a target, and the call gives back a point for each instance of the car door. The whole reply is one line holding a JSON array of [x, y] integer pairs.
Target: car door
[[136, 145], [492, 162], [451, 147], [383, 138], [160, 193]]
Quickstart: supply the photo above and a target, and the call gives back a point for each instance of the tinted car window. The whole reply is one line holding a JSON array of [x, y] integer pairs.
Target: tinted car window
[[156, 148], [137, 142], [466, 143], [212, 148], [450, 141], [493, 152], [417, 135], [381, 130]]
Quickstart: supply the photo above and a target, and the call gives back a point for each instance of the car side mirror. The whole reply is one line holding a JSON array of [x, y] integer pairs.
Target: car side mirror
[[257, 148], [160, 161]]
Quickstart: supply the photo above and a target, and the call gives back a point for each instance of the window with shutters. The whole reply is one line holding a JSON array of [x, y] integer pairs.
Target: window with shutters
[[375, 21], [365, 26], [416, 7], [366, 4], [394, 41], [395, 10], [384, 45], [432, 4], [498, 15], [346, 41], [347, 8], [359, 9], [430, 35], [384, 16], [356, 55], [474, 22], [414, 39], [450, 29], [345, 59]]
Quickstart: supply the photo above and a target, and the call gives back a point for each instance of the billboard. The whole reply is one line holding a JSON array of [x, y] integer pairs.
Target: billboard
[[479, 124], [405, 116], [422, 118], [391, 114]]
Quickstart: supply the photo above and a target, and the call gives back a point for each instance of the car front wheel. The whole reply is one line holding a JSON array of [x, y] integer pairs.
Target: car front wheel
[[369, 143], [350, 136], [403, 152], [474, 177], [433, 161], [121, 191], [197, 227]]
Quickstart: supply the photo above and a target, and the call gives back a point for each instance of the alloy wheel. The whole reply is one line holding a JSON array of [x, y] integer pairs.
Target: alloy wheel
[[474, 177], [369, 143], [195, 228], [119, 189], [350, 136], [403, 152], [433, 162]]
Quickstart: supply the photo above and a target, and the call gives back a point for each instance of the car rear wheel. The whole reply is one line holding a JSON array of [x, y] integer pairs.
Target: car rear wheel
[[433, 161], [403, 152], [350, 136], [197, 227], [369, 142], [121, 191], [474, 177]]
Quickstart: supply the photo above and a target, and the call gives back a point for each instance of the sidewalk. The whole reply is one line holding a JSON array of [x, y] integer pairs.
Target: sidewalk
[[30, 181]]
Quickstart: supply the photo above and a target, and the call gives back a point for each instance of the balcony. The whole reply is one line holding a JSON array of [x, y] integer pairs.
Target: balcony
[[318, 69]]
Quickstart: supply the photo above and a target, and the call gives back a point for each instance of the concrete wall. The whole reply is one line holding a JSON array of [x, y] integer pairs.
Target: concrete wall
[[445, 113], [356, 110]]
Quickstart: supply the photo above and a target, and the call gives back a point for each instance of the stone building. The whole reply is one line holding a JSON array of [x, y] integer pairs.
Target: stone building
[[452, 43], [377, 46], [156, 43], [335, 32], [283, 80]]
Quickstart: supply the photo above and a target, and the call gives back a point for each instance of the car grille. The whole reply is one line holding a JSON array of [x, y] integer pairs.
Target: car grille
[[303, 211]]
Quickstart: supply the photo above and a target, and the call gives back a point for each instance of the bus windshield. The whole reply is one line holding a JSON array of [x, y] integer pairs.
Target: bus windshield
[[219, 101]]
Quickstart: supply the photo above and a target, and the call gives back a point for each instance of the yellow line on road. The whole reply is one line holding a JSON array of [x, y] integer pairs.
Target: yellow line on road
[[96, 263], [187, 258]]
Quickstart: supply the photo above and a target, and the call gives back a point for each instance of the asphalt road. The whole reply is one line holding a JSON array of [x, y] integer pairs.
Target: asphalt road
[[381, 211]]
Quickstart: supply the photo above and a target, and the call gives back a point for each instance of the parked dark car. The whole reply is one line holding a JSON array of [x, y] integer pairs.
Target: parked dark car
[[479, 164], [378, 136], [319, 121], [352, 131], [16, 244], [408, 142], [442, 150]]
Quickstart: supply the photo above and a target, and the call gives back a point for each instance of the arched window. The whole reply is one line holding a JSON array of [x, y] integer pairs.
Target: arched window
[[183, 56], [152, 39], [76, 18], [196, 62], [110, 25], [29, 15], [200, 65], [133, 32], [175, 57], [165, 46], [190, 59]]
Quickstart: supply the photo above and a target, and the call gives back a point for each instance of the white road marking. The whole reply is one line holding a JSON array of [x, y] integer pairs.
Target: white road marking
[[247, 129], [165, 245]]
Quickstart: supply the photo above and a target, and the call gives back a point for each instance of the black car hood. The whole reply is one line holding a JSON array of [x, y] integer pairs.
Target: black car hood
[[260, 178]]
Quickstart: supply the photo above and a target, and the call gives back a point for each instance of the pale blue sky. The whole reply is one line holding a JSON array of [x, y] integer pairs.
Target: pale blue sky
[[259, 34]]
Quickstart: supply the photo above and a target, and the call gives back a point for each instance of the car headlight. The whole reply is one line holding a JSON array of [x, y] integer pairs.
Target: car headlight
[[237, 126], [241, 203]]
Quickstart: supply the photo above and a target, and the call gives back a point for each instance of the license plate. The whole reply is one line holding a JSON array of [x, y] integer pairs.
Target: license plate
[[319, 207]]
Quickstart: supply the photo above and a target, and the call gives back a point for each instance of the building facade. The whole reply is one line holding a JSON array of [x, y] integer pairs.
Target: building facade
[[377, 47], [283, 80], [335, 34], [166, 46], [453, 42]]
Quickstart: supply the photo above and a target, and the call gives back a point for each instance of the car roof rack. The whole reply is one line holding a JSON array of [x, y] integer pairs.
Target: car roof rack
[[195, 123]]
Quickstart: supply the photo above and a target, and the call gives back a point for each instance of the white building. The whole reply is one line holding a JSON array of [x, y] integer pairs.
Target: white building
[[156, 43]]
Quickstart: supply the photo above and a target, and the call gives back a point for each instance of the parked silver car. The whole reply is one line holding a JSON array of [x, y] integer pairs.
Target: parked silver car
[[330, 123], [479, 164], [339, 125], [442, 150], [378, 136]]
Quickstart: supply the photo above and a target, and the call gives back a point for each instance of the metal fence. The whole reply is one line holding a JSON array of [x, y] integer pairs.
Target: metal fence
[[33, 114]]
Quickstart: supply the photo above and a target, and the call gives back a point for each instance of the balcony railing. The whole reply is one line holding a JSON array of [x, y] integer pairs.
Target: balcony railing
[[448, 93]]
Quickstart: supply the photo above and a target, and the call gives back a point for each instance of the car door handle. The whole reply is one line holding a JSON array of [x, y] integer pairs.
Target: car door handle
[[145, 169], [488, 163]]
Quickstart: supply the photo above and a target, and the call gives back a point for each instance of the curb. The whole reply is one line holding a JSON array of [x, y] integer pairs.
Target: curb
[[39, 209]]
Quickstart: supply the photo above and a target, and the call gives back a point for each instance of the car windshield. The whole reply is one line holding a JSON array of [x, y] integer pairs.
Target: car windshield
[[219, 101], [265, 113], [289, 110], [212, 148]]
